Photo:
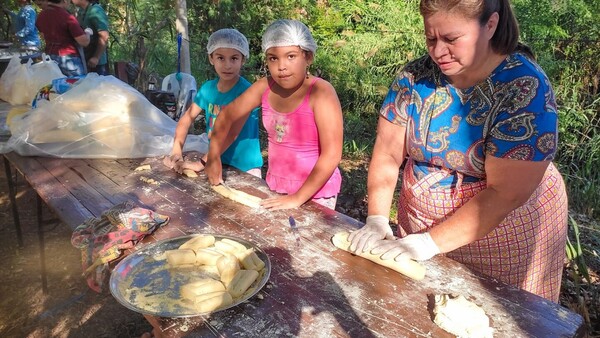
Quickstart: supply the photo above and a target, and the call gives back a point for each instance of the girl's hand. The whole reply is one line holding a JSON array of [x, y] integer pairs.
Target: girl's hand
[[193, 165], [170, 160], [214, 171], [282, 202]]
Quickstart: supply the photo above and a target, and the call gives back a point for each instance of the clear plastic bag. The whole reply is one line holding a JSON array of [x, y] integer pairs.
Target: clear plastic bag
[[20, 82], [15, 83], [100, 117], [43, 73]]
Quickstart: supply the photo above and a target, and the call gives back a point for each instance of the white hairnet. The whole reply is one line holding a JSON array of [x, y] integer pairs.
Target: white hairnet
[[228, 38], [283, 33]]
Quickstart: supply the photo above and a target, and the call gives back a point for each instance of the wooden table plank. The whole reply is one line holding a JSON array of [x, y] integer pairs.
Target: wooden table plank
[[61, 201]]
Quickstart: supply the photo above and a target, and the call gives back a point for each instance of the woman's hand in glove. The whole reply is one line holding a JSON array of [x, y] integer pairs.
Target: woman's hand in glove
[[420, 247], [376, 228]]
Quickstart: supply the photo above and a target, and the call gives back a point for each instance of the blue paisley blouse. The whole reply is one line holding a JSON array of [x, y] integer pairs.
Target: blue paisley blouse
[[511, 114]]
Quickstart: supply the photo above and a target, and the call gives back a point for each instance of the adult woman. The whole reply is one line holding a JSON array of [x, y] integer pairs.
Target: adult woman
[[63, 36], [24, 23], [476, 119]]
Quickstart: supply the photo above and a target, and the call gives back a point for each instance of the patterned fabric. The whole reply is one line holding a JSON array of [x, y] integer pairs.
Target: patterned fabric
[[24, 26], [102, 239], [526, 249], [294, 148], [244, 152], [70, 66], [512, 114]]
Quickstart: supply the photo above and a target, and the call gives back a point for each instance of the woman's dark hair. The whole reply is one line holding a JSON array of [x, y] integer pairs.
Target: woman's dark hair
[[506, 36]]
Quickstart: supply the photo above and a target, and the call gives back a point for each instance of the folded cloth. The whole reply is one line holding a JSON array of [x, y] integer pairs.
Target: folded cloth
[[102, 239]]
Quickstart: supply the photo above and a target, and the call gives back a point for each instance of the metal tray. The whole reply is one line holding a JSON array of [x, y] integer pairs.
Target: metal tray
[[143, 281]]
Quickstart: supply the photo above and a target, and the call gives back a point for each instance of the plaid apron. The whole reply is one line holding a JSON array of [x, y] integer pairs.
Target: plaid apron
[[526, 250]]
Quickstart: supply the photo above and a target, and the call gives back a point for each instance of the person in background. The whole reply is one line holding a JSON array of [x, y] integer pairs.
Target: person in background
[[476, 123], [227, 51], [24, 24], [62, 35], [42, 4], [91, 15], [302, 116]]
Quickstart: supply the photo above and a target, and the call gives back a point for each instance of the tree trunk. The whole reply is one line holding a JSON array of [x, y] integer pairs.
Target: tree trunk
[[181, 24]]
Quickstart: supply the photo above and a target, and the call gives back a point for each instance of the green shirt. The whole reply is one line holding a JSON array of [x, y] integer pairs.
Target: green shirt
[[94, 17]]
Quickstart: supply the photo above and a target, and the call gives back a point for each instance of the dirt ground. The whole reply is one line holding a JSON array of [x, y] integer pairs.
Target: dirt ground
[[71, 309]]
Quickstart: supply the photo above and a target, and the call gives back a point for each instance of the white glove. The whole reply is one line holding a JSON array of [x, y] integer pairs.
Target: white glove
[[420, 247], [376, 228], [89, 31]]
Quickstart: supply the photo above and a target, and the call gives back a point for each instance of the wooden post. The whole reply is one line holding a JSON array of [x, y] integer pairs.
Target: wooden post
[[181, 24]]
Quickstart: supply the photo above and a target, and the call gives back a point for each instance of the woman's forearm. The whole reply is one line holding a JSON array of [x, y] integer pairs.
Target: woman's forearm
[[474, 220]]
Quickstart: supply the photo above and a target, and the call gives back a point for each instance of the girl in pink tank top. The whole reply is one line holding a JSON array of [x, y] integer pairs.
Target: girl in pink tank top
[[303, 118]]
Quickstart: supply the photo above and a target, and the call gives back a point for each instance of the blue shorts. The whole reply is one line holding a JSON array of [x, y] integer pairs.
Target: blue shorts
[[69, 65]]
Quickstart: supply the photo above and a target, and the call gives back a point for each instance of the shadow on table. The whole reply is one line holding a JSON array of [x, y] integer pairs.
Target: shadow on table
[[318, 302]]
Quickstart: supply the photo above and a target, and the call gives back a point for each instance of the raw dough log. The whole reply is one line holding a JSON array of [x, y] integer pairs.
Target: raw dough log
[[250, 260], [461, 317], [213, 301], [225, 247], [238, 196], [192, 290], [240, 247], [207, 256], [241, 282], [228, 266], [198, 242], [179, 257], [406, 267], [190, 173]]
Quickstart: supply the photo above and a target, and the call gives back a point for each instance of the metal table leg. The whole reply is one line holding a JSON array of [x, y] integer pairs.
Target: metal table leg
[[12, 192], [42, 245]]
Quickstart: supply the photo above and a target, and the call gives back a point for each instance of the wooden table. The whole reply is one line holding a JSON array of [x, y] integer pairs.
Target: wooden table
[[314, 290]]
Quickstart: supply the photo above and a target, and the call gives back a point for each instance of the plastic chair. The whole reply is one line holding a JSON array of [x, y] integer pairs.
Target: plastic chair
[[183, 86]]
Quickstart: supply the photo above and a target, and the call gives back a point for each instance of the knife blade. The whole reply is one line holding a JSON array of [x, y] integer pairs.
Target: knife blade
[[294, 230]]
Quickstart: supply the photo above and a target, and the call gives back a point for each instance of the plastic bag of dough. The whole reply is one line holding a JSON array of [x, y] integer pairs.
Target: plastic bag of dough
[[100, 117]]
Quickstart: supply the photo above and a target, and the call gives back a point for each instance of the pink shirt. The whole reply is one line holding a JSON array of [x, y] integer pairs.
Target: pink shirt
[[294, 148]]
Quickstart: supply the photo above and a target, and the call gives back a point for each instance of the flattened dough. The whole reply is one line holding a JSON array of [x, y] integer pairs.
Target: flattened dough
[[238, 196], [461, 317], [143, 167], [406, 267]]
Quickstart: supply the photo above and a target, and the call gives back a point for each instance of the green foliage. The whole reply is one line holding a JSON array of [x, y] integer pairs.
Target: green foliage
[[566, 37], [575, 251], [363, 45]]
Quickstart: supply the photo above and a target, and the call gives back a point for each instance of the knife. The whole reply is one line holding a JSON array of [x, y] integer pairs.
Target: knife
[[294, 230]]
